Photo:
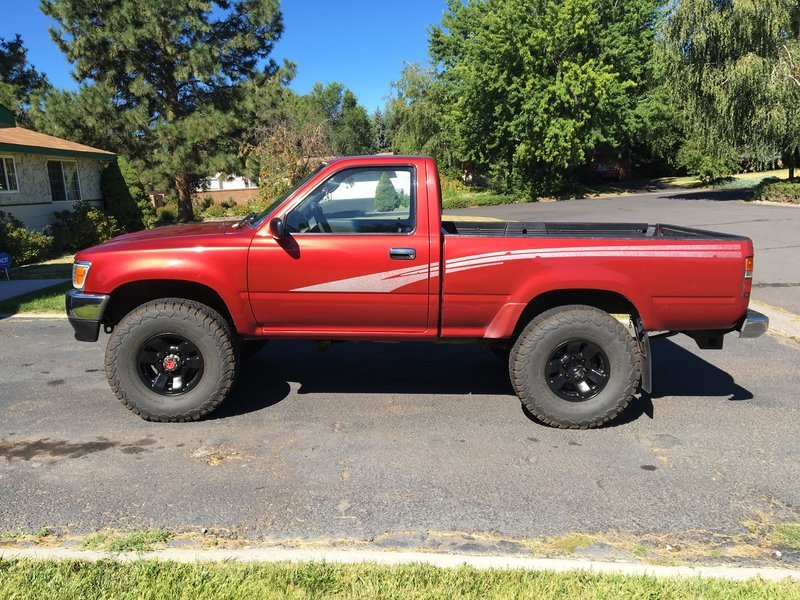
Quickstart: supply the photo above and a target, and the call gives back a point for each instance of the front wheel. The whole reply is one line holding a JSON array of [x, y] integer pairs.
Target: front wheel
[[171, 360], [575, 367]]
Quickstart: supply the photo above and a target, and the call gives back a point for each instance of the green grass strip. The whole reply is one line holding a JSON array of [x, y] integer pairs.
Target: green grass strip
[[20, 579], [46, 300]]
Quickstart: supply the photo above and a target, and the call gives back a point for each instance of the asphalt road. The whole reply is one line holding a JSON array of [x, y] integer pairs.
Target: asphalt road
[[367, 440]]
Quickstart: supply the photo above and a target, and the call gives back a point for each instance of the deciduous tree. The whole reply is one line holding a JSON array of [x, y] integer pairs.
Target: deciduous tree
[[735, 79], [534, 89]]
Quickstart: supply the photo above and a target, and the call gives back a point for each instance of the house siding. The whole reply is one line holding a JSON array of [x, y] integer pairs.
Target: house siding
[[32, 203]]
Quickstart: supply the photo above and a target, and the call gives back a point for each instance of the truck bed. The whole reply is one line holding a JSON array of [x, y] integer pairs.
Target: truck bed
[[677, 278], [625, 231]]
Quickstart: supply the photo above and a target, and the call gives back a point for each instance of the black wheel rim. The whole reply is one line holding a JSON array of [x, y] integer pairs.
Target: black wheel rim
[[169, 364], [578, 370]]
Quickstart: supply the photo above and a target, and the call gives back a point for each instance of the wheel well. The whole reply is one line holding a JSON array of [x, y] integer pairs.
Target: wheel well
[[610, 302], [131, 295]]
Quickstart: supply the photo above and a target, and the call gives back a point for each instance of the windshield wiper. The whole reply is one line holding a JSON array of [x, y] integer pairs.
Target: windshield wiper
[[248, 219]]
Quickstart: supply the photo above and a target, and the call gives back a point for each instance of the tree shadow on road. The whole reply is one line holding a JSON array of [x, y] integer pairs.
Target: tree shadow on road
[[734, 195]]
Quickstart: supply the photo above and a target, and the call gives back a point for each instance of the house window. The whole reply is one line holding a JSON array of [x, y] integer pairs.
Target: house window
[[64, 184], [8, 175]]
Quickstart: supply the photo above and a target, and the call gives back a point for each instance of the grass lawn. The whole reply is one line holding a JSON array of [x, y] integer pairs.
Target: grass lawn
[[741, 181], [47, 300], [148, 579], [56, 268]]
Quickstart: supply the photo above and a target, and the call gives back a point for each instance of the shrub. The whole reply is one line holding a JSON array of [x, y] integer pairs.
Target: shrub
[[125, 197], [82, 227], [707, 164], [215, 210], [24, 246], [201, 204], [240, 210], [229, 203], [779, 191], [167, 213], [451, 185]]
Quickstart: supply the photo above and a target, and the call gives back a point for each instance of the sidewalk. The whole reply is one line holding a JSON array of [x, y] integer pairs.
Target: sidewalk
[[17, 287]]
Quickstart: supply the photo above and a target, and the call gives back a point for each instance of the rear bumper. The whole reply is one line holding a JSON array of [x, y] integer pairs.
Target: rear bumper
[[753, 325], [85, 313]]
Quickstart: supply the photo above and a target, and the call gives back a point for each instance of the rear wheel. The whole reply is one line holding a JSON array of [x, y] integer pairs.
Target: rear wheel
[[575, 367], [171, 360]]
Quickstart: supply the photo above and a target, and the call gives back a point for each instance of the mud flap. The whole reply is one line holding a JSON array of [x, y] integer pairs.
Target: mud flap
[[647, 358]]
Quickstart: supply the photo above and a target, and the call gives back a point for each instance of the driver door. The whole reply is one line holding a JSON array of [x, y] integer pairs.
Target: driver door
[[356, 260]]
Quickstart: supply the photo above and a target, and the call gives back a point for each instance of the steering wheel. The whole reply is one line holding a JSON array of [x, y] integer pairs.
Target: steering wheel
[[319, 216]]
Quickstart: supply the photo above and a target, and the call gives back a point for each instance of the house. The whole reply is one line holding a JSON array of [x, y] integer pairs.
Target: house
[[41, 174], [221, 187]]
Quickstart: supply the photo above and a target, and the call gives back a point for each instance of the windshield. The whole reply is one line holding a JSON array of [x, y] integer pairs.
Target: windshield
[[258, 218]]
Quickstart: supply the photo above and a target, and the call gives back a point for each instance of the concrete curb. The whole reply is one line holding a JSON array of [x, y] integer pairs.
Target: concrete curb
[[36, 316], [273, 555], [781, 321]]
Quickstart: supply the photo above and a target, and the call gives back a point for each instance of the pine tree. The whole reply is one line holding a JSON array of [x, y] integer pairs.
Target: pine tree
[[177, 69], [386, 197], [20, 82]]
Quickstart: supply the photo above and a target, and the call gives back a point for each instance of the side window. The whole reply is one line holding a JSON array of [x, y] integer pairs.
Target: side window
[[370, 200]]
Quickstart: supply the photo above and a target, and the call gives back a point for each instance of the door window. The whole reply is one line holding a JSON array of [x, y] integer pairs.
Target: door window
[[367, 201]]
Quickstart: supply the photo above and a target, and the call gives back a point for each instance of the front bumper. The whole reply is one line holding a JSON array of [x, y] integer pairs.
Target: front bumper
[[754, 325], [85, 312]]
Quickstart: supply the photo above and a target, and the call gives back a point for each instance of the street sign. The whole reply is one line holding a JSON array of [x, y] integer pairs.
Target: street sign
[[5, 262]]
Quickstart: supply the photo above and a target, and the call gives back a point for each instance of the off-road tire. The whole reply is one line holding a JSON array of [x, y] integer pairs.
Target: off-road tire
[[198, 323], [548, 331]]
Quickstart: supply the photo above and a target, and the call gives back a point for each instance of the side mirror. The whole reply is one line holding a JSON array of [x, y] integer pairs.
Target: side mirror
[[277, 228]]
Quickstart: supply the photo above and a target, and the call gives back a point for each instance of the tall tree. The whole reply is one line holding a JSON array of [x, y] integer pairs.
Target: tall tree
[[735, 77], [181, 67], [88, 116], [534, 89], [20, 82], [290, 137], [415, 115], [382, 142], [350, 128], [352, 134]]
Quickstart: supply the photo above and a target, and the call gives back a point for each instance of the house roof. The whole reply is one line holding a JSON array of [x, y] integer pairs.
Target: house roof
[[19, 139]]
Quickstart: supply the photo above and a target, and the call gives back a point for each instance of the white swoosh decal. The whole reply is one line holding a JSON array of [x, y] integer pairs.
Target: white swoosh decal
[[389, 281]]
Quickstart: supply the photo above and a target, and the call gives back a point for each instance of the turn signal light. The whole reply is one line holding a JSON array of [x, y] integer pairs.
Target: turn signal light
[[748, 267], [79, 273], [748, 277]]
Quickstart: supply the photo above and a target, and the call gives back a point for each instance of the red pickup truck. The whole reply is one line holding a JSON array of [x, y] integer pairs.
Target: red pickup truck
[[360, 251]]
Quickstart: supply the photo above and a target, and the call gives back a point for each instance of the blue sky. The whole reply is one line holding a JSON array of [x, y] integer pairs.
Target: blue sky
[[362, 43]]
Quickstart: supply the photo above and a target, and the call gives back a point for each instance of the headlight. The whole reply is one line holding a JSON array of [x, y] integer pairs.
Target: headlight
[[80, 270]]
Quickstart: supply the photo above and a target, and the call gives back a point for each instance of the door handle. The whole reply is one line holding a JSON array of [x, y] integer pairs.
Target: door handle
[[402, 254]]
